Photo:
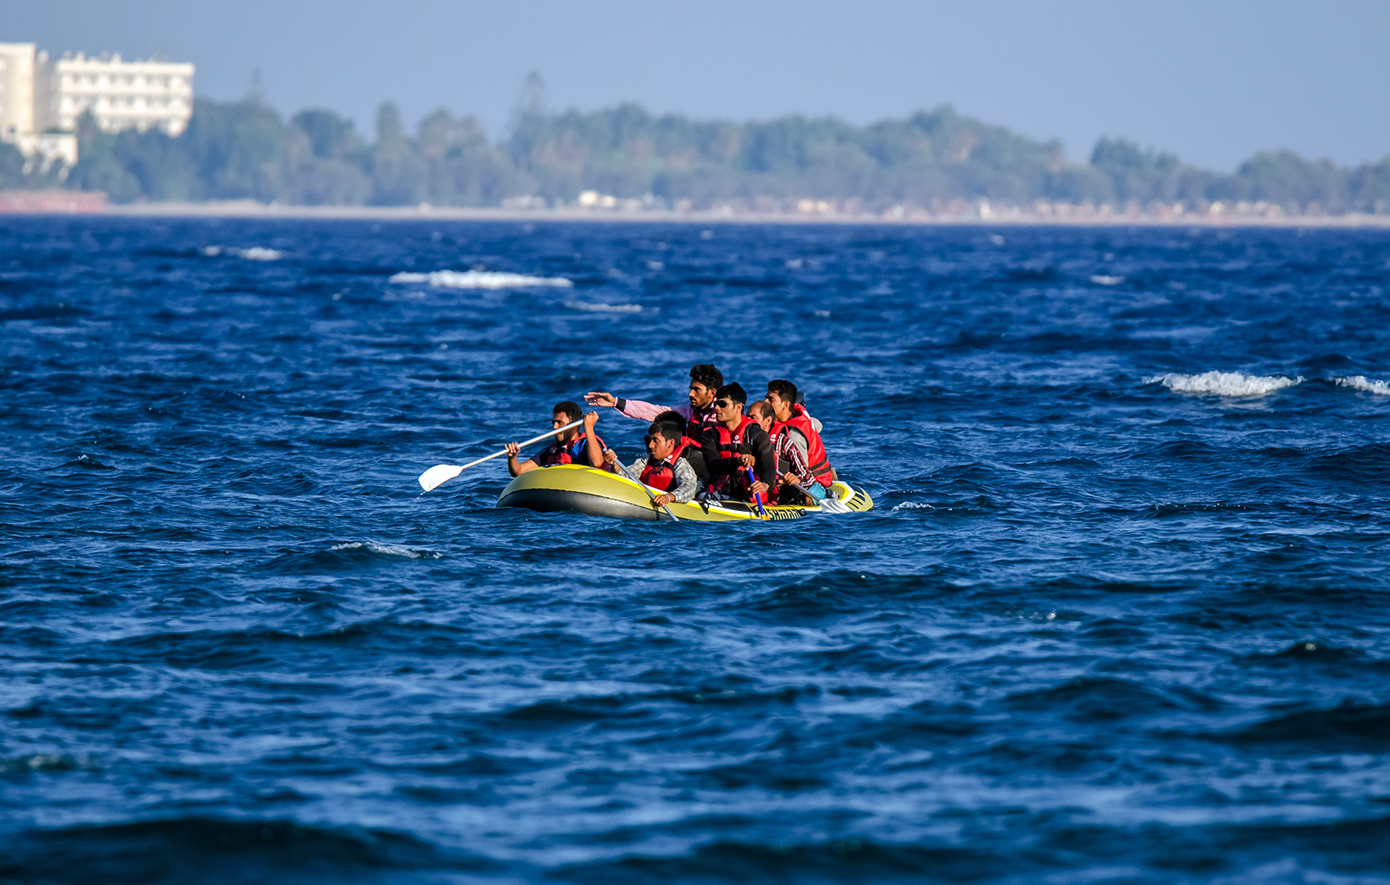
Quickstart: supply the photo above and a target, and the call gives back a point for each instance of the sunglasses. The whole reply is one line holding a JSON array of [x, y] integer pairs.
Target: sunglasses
[[723, 403]]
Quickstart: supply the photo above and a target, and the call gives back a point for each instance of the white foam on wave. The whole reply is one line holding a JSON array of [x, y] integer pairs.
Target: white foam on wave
[[599, 307], [255, 253], [1225, 383], [385, 550], [1361, 382], [912, 505], [1101, 279], [478, 279], [259, 253]]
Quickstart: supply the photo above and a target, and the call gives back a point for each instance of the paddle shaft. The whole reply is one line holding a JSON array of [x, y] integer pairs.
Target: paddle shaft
[[628, 474], [442, 473], [523, 445], [757, 498]]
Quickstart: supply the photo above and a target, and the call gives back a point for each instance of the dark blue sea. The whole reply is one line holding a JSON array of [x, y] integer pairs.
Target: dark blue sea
[[1121, 612]]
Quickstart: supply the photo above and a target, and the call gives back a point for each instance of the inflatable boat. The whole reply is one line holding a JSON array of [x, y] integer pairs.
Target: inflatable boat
[[583, 489]]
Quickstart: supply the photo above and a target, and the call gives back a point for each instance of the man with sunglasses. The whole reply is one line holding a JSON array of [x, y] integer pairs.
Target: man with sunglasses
[[734, 445]]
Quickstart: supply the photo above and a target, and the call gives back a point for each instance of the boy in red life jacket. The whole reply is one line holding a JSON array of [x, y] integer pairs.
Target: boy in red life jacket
[[795, 485], [696, 417], [686, 448], [735, 444], [570, 446], [663, 469], [803, 433]]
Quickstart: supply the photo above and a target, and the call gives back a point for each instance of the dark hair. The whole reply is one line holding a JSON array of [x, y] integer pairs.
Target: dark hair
[[670, 416], [761, 409], [733, 392], [784, 389], [568, 408], [665, 429], [706, 374]]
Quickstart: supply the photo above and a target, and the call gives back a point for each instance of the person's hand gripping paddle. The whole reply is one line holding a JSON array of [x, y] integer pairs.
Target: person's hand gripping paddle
[[628, 474], [757, 498], [441, 473]]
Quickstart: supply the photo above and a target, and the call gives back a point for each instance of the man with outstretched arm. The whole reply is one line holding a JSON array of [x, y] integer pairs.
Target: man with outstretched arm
[[733, 446], [698, 416], [662, 470], [570, 446]]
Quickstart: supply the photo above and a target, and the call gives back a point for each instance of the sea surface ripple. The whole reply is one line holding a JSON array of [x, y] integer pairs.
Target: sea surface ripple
[[1120, 613]]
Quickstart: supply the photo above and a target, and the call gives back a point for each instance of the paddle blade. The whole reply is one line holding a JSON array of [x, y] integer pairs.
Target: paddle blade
[[438, 475]]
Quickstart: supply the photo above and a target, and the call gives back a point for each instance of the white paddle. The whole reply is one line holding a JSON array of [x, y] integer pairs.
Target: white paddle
[[628, 474], [442, 473]]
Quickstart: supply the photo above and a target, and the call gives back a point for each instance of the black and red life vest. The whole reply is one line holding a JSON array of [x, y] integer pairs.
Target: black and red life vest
[[816, 460], [660, 474], [566, 453], [685, 443], [696, 425], [731, 445]]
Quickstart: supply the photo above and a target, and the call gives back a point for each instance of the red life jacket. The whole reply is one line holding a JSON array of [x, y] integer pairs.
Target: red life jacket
[[731, 446], [661, 475], [816, 460], [697, 424], [776, 433], [566, 453], [684, 443]]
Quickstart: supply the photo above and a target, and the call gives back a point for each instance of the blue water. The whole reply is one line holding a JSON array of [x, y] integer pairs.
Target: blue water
[[1116, 617]]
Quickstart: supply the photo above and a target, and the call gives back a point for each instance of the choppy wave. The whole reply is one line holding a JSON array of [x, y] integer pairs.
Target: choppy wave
[[1089, 619], [479, 279], [384, 550], [255, 253], [1101, 279], [1225, 383], [1361, 382], [603, 308]]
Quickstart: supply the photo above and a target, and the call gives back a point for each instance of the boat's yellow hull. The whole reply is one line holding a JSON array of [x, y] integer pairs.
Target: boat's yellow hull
[[582, 489]]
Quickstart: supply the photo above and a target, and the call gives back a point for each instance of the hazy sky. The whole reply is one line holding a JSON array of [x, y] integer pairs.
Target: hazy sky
[[1212, 80]]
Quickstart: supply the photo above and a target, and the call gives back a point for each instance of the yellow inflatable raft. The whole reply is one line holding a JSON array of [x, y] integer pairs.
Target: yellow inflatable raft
[[582, 489]]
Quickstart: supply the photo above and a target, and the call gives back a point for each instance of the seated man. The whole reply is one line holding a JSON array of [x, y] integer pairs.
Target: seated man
[[697, 417], [733, 446], [686, 448], [662, 469], [570, 446], [804, 430], [795, 484]]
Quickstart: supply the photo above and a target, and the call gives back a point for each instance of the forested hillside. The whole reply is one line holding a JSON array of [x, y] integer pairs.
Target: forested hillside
[[234, 150]]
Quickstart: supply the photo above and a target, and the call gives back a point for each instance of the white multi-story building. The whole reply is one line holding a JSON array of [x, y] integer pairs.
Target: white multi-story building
[[25, 102], [121, 94], [17, 93], [40, 100]]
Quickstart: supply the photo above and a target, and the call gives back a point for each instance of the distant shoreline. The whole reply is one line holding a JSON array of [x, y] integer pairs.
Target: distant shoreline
[[976, 214], [997, 218]]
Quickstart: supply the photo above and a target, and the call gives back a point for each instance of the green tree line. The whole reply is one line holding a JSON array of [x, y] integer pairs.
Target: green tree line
[[236, 150]]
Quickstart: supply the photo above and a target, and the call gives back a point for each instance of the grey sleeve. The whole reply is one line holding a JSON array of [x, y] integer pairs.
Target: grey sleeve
[[686, 482], [636, 468]]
